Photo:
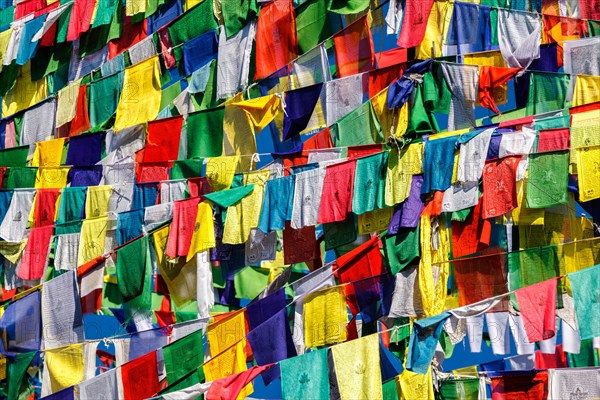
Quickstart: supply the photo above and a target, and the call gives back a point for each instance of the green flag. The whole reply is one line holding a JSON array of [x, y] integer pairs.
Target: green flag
[[236, 14], [70, 207], [184, 356], [187, 168], [585, 285], [459, 389], [547, 180], [250, 281], [17, 367], [348, 6], [205, 133], [401, 249], [547, 92], [14, 157], [131, 268], [194, 22], [311, 24], [16, 178], [104, 97], [361, 126], [305, 376]]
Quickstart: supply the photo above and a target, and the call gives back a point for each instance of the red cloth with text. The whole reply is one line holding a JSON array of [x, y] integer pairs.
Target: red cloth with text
[[381, 78], [27, 7], [140, 377], [480, 278], [182, 227], [590, 9], [365, 150], [81, 122], [45, 206], [276, 41], [152, 172], [35, 254], [162, 142], [354, 51], [471, 235], [81, 17], [537, 304], [414, 24], [499, 186], [338, 189], [231, 386], [491, 78], [553, 139], [520, 386]]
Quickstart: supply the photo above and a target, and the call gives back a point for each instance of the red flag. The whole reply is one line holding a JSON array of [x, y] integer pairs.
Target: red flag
[[471, 235], [276, 41], [299, 245], [480, 278], [524, 385], [140, 377], [231, 386], [354, 49], [491, 78], [81, 122], [391, 57], [182, 227], [499, 186], [162, 142], [132, 33], [338, 188], [414, 24], [547, 361], [537, 304], [590, 9], [553, 139], [45, 206], [35, 253], [81, 17]]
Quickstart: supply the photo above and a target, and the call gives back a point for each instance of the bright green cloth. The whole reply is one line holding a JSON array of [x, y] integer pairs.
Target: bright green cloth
[[103, 98], [20, 178], [238, 13], [390, 391], [305, 376], [14, 157], [401, 249], [311, 24], [358, 127], [183, 356], [547, 179], [594, 27], [369, 183], [194, 22], [104, 12], [227, 198], [348, 6], [459, 389], [250, 281], [186, 168], [585, 285], [531, 266], [17, 368], [205, 133], [131, 268]]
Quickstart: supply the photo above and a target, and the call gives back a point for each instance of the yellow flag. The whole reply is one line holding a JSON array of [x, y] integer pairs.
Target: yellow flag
[[51, 177], [92, 237], [220, 171], [242, 118], [225, 331], [588, 165], [587, 90], [65, 366], [12, 251], [48, 153], [401, 167], [393, 123], [433, 278], [134, 7], [374, 221], [230, 362], [437, 28], [492, 58], [141, 94], [96, 202], [203, 237], [4, 39], [25, 93], [244, 215], [2, 368], [415, 386], [325, 317], [67, 103], [357, 368]]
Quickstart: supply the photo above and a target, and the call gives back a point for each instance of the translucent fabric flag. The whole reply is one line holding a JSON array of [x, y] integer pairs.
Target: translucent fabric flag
[[406, 298], [67, 102], [547, 92], [531, 266], [61, 312], [436, 31], [306, 376], [519, 36], [585, 290], [236, 386], [299, 107], [225, 331], [370, 176], [277, 204], [354, 51], [81, 18], [357, 368], [325, 317], [233, 62], [423, 340], [547, 179], [91, 242], [537, 304], [64, 366], [463, 82], [276, 41], [478, 281], [414, 23], [194, 22], [415, 386], [15, 219], [183, 356], [312, 24], [21, 325], [141, 94], [104, 384], [230, 361]]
